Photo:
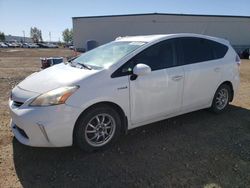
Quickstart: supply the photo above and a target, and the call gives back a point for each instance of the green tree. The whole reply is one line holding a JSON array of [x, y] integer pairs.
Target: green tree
[[2, 36], [40, 36], [67, 35], [36, 34]]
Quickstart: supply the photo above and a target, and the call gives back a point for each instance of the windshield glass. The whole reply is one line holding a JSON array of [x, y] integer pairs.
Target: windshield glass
[[108, 54]]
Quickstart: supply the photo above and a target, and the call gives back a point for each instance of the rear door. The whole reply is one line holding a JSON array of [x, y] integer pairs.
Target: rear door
[[202, 71]]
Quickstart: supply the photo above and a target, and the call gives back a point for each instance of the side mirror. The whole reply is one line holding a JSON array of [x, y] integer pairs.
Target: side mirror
[[141, 69]]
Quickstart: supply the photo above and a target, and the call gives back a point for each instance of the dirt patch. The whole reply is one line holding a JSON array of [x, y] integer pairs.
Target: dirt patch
[[198, 149]]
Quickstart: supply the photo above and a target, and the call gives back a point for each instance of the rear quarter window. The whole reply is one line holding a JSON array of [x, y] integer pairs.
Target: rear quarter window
[[196, 50], [219, 49]]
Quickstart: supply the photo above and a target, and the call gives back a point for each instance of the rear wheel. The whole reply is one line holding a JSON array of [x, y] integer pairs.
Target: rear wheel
[[97, 128], [221, 99]]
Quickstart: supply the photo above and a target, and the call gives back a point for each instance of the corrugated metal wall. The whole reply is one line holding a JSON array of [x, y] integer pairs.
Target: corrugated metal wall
[[105, 29]]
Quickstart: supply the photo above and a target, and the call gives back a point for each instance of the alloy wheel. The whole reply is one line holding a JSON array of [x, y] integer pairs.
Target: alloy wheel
[[100, 130], [221, 99]]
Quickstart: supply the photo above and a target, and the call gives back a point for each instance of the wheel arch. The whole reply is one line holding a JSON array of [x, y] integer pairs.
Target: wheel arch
[[120, 111]]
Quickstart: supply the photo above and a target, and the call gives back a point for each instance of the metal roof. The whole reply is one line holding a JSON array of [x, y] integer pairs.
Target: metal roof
[[163, 14]]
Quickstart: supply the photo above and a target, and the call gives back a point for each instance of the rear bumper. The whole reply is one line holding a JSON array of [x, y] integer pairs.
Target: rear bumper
[[44, 126]]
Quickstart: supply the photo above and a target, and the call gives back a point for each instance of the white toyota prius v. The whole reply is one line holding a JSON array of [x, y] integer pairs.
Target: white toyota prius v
[[132, 81]]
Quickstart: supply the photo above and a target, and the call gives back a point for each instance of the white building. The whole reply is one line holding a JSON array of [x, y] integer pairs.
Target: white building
[[103, 29]]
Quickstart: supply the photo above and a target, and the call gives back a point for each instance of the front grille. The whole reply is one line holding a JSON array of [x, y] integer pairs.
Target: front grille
[[17, 104], [22, 132]]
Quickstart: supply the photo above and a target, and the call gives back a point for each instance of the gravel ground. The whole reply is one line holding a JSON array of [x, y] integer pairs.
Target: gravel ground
[[198, 149]]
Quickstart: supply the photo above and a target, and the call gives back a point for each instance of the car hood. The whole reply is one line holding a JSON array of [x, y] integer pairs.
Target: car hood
[[54, 77]]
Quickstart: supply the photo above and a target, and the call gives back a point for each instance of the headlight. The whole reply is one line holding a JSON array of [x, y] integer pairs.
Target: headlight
[[54, 97]]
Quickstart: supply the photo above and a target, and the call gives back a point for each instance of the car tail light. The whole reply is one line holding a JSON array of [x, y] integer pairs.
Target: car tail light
[[237, 60]]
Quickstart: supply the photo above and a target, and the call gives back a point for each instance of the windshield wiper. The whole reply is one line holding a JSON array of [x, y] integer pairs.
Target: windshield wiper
[[82, 65], [85, 66]]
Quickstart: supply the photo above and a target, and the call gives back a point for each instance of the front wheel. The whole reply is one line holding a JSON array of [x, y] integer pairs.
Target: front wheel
[[97, 128], [221, 99]]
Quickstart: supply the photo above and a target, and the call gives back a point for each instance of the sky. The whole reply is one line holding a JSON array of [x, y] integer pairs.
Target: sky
[[53, 16]]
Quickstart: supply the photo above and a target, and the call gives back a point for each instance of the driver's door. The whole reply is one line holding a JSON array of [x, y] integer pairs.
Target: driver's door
[[158, 93]]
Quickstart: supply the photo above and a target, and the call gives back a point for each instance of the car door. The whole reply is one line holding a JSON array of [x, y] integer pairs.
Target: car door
[[158, 93], [202, 72]]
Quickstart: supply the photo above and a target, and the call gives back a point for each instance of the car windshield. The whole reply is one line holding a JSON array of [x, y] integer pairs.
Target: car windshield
[[108, 54]]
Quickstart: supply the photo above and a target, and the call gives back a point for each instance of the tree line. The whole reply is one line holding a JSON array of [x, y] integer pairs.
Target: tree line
[[36, 35]]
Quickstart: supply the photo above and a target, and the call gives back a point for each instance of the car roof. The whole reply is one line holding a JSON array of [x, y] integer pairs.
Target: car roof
[[152, 38]]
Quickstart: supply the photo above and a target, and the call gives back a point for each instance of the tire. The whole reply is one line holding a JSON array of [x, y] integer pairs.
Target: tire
[[91, 128], [221, 99]]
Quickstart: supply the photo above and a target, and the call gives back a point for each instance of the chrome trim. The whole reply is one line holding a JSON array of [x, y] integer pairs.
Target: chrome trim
[[41, 126]]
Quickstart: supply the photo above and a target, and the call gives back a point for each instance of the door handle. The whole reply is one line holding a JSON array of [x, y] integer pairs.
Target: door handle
[[177, 78], [217, 69]]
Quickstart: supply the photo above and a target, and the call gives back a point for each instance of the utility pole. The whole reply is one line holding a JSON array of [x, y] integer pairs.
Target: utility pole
[[49, 36], [23, 36]]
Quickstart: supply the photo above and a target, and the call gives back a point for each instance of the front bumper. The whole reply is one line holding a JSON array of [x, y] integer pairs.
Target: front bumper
[[50, 126]]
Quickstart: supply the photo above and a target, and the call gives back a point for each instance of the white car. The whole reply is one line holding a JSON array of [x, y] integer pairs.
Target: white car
[[2, 45], [121, 85], [30, 45]]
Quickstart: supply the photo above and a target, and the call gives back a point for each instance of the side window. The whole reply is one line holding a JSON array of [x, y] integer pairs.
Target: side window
[[158, 56], [196, 50]]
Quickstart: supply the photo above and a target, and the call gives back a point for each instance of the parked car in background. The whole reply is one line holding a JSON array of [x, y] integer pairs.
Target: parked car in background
[[25, 45], [126, 83], [3, 45], [30, 45], [42, 45], [69, 45], [47, 45], [11, 44], [33, 45], [72, 47], [245, 54], [50, 45], [14, 44], [18, 45]]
